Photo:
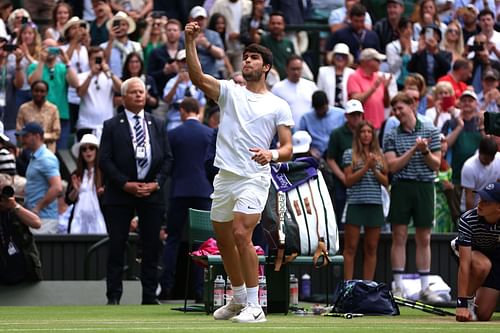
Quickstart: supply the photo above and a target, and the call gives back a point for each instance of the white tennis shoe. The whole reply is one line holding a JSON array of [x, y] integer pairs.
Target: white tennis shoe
[[228, 311], [252, 313]]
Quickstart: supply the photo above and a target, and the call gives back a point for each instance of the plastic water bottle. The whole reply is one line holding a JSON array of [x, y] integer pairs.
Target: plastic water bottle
[[229, 291], [219, 285], [305, 287], [294, 291], [263, 293]]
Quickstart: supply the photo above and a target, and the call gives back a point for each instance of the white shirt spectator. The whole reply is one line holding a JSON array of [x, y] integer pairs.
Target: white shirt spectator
[[80, 63], [338, 16], [118, 54], [297, 95], [476, 176], [495, 39], [327, 83]]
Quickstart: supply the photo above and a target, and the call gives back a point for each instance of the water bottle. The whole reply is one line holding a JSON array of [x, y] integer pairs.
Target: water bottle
[[305, 287], [229, 291], [294, 291], [219, 285], [263, 293]]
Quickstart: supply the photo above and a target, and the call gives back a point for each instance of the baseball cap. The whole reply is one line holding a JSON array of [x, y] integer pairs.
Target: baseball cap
[[181, 55], [469, 93], [32, 127], [353, 105], [490, 74], [490, 193], [198, 11], [301, 141], [369, 54]]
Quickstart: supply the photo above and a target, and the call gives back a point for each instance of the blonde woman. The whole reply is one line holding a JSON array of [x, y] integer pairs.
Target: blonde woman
[[444, 104], [426, 14], [453, 40], [365, 170]]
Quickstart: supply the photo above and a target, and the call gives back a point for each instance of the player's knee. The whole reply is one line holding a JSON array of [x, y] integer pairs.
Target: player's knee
[[481, 267], [241, 237]]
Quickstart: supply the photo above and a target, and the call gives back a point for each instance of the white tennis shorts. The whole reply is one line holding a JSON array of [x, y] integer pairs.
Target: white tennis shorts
[[233, 193]]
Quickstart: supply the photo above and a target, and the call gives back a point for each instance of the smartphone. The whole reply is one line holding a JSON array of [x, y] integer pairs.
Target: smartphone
[[98, 60], [429, 33], [158, 14], [447, 102], [116, 23], [24, 20], [53, 50], [9, 47]]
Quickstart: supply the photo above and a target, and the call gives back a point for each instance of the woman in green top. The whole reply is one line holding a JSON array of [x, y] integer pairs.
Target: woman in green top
[[154, 36], [365, 170]]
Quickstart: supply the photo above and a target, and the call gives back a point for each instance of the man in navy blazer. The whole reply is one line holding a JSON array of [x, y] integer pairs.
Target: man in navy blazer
[[190, 187], [135, 159]]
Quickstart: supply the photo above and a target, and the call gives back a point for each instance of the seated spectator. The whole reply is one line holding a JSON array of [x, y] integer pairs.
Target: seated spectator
[[134, 67], [252, 26], [459, 76], [387, 27], [468, 17], [98, 28], [19, 260], [60, 15], [154, 36], [429, 61], [43, 112], [119, 45], [481, 61], [85, 189], [486, 20], [340, 18], [453, 41], [136, 9], [426, 14], [336, 89], [444, 104], [489, 97]]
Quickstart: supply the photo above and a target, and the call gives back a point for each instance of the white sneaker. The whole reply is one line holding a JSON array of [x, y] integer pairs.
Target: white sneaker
[[430, 296], [228, 311], [252, 313], [471, 306], [398, 292]]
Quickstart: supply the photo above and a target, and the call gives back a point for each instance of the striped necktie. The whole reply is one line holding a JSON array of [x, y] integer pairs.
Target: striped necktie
[[140, 139]]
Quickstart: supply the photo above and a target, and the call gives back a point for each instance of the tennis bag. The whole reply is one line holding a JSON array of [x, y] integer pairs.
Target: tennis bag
[[364, 296], [298, 219]]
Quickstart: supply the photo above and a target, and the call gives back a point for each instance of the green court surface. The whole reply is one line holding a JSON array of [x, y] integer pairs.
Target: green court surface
[[134, 318]]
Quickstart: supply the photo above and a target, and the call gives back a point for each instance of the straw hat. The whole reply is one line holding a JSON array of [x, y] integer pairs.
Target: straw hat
[[75, 20], [119, 17]]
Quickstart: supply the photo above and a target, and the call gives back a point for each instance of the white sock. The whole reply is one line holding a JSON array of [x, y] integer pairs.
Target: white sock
[[240, 294], [398, 277], [253, 295], [424, 279]]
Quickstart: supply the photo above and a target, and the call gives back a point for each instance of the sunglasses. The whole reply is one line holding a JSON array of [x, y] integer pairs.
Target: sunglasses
[[85, 148], [452, 31], [340, 57]]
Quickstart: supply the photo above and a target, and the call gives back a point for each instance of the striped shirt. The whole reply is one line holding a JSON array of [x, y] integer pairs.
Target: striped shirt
[[367, 189], [399, 141], [7, 162], [474, 231]]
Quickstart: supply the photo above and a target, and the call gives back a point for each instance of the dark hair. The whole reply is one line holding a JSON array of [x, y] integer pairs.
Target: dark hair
[[190, 105], [126, 73], [403, 23], [460, 64], [265, 53], [81, 167], [488, 147], [213, 23], [358, 10], [319, 99], [94, 49], [484, 12], [41, 82], [277, 13], [292, 58]]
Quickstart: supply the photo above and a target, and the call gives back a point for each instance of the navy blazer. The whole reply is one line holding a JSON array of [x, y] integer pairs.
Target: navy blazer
[[442, 64], [348, 36], [189, 143], [118, 163]]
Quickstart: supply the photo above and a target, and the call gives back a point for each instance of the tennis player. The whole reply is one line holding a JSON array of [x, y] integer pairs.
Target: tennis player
[[250, 118]]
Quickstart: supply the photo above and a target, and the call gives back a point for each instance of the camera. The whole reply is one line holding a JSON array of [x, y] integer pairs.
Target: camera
[[7, 192], [158, 14], [9, 47], [53, 50], [24, 20], [476, 47], [98, 60]]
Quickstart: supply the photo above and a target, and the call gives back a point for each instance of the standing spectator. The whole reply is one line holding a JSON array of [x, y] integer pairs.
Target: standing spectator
[[96, 91], [336, 90], [387, 28], [481, 61], [135, 159], [370, 87], [478, 171], [444, 104], [134, 67], [341, 140], [177, 88], [365, 171], [98, 28], [459, 75], [136, 9], [154, 36], [233, 11], [489, 97], [85, 189], [218, 24], [281, 47], [43, 181], [487, 24], [413, 153], [320, 122], [190, 187], [58, 76], [296, 91], [453, 41], [60, 15], [161, 63], [17, 19], [427, 14], [463, 134], [253, 25], [119, 45], [43, 112], [429, 61], [340, 17], [355, 34], [399, 52], [209, 44], [468, 16]]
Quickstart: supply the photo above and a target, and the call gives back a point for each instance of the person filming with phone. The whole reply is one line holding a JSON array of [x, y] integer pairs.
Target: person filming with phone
[[96, 91]]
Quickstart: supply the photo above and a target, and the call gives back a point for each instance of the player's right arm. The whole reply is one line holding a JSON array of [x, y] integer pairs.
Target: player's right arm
[[208, 84], [462, 313]]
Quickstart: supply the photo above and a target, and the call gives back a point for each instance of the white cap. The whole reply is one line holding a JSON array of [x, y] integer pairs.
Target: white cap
[[89, 139], [369, 54], [353, 105], [198, 11], [301, 141], [469, 93], [341, 48]]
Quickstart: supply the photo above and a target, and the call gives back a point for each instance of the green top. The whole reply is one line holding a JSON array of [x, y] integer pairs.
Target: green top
[[340, 140], [281, 50], [147, 51], [58, 87]]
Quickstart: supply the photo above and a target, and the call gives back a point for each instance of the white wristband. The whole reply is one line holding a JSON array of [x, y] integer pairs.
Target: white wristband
[[276, 154]]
